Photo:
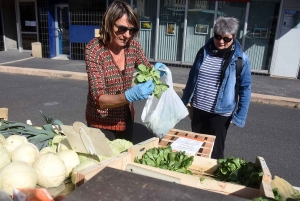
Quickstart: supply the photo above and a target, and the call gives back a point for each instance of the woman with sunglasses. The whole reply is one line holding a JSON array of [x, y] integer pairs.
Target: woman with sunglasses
[[210, 92], [110, 62]]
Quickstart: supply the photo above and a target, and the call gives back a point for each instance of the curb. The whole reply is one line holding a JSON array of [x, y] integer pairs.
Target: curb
[[44, 72], [258, 98]]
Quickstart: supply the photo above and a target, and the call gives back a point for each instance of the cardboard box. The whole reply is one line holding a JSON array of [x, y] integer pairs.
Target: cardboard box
[[31, 194]]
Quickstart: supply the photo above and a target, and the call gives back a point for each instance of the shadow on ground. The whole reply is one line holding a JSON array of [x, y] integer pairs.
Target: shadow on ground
[[140, 133]]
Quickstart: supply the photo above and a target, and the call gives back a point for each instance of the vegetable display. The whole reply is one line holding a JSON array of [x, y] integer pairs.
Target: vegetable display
[[166, 159], [40, 138], [17, 174], [26, 152], [277, 197], [285, 190], [13, 141], [50, 169], [144, 74], [119, 145], [4, 159], [239, 171]]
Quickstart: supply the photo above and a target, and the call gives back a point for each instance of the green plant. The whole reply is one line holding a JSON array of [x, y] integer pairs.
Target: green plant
[[144, 74], [164, 158]]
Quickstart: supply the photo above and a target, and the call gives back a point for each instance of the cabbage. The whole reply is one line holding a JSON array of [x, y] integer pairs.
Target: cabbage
[[79, 168], [50, 169], [13, 142], [26, 152], [56, 140], [4, 159], [70, 159], [2, 139], [17, 174], [119, 145], [91, 157], [47, 150]]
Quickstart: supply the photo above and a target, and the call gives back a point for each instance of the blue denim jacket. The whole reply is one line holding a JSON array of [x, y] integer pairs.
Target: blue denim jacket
[[226, 98]]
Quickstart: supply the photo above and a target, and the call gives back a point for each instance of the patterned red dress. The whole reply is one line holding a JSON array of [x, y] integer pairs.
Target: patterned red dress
[[105, 77]]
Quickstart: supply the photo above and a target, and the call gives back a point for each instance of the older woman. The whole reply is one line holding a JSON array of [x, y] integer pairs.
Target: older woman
[[211, 87], [110, 62]]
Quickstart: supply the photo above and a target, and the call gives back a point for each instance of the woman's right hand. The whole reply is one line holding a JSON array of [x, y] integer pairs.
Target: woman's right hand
[[140, 91]]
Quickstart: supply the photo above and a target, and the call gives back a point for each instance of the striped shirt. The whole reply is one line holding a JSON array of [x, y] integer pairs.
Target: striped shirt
[[208, 85]]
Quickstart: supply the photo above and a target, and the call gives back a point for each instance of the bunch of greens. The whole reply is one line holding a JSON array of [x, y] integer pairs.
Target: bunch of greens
[[144, 74], [166, 159], [239, 171], [39, 137], [277, 197]]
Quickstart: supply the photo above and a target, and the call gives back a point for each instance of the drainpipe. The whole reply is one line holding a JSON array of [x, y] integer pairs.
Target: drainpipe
[[246, 25], [156, 30], [184, 30], [4, 38]]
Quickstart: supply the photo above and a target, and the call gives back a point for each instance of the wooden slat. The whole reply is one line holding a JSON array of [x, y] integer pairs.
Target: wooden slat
[[204, 151], [4, 113]]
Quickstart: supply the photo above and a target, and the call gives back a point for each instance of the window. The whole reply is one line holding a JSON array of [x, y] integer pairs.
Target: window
[[200, 21], [260, 34]]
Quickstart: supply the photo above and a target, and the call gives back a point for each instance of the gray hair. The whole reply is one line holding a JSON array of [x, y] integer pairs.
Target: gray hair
[[226, 25]]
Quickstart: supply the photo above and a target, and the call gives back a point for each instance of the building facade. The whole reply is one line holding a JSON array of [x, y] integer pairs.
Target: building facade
[[172, 31]]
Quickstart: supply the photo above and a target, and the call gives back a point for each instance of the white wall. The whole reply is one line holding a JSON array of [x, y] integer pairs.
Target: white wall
[[281, 59]]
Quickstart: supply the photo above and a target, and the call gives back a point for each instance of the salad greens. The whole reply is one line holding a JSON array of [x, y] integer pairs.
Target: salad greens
[[166, 159], [144, 74], [277, 197], [239, 171]]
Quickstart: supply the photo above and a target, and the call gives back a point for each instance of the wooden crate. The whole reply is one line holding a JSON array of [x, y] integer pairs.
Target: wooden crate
[[4, 113], [204, 151], [201, 164]]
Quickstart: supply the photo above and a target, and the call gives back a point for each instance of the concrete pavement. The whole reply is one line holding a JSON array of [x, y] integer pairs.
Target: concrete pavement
[[267, 90]]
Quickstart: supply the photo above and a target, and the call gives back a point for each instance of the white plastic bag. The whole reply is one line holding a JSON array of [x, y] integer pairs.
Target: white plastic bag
[[161, 115]]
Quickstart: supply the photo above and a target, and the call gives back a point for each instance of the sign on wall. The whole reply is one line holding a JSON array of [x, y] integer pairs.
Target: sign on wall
[[291, 19]]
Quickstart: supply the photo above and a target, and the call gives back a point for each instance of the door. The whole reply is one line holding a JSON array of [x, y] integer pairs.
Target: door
[[62, 30], [26, 24], [288, 56]]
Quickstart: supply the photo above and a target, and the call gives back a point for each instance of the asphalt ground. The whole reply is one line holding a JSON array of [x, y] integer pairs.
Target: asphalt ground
[[265, 89]]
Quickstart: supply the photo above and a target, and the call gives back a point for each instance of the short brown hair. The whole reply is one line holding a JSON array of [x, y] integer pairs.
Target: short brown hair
[[115, 11]]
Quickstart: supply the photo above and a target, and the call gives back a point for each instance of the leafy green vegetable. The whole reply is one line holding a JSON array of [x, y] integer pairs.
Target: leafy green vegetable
[[164, 158], [239, 171], [40, 138], [144, 74], [276, 197], [119, 145]]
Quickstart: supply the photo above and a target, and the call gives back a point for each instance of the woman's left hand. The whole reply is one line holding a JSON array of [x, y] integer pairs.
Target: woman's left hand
[[159, 67]]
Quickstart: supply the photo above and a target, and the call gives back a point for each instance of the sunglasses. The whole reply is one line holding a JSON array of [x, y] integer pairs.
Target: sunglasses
[[123, 29], [219, 37]]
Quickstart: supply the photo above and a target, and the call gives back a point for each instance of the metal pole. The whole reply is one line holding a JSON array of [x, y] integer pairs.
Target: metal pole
[[156, 30], [18, 26], [277, 35], [215, 16], [246, 25], [184, 30]]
